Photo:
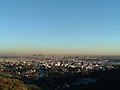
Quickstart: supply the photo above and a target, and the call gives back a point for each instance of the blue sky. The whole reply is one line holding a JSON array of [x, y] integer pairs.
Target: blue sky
[[60, 26]]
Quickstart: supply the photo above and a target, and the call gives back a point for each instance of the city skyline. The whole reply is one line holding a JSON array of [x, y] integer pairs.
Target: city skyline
[[72, 27]]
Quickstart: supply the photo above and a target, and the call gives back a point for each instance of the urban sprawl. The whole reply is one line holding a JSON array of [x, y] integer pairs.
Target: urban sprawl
[[53, 72], [38, 66]]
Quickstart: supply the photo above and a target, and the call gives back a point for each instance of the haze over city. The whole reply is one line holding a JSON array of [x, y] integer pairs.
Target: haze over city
[[59, 44], [72, 27]]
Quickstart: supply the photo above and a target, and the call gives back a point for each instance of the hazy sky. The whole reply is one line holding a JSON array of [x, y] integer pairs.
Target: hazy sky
[[60, 26]]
